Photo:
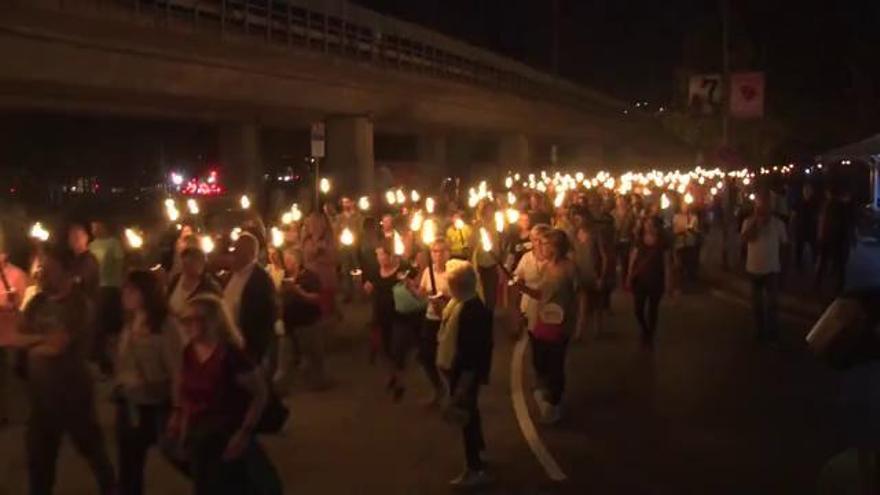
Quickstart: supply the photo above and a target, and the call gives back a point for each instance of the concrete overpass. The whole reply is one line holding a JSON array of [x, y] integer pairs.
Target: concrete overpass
[[248, 64]]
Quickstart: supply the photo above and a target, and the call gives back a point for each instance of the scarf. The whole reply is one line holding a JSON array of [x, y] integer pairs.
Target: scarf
[[447, 335]]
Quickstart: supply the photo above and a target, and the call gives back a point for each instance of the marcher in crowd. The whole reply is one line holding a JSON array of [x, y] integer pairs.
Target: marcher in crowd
[[250, 298], [806, 226], [528, 270], [147, 362], [54, 331], [386, 319], [436, 292], [111, 259], [464, 353], [556, 318], [764, 235], [190, 281], [319, 256], [348, 218], [221, 400], [85, 267], [13, 284], [649, 276], [591, 260], [686, 229], [302, 316]]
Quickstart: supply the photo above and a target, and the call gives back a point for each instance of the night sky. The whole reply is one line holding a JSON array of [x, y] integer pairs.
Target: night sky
[[823, 82]]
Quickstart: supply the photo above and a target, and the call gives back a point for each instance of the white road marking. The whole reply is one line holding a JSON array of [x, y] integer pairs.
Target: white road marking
[[521, 409]]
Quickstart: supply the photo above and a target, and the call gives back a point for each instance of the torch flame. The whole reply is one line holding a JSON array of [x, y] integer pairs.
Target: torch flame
[[193, 206], [485, 240], [499, 221], [346, 238], [399, 247], [429, 232], [416, 223], [39, 233], [429, 205], [207, 244], [134, 239], [277, 237], [364, 203], [245, 202]]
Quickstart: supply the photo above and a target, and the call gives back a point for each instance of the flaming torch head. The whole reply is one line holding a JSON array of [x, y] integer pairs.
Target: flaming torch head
[[134, 239], [399, 248], [429, 232], [346, 238], [485, 240]]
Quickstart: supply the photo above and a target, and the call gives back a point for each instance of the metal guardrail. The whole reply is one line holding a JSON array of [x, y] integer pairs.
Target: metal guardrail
[[342, 29]]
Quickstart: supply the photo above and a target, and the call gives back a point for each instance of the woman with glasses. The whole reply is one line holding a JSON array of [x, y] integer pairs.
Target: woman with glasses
[[222, 395]]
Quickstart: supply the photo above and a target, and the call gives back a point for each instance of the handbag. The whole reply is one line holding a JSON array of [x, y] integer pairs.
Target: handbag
[[406, 302], [275, 415], [549, 327]]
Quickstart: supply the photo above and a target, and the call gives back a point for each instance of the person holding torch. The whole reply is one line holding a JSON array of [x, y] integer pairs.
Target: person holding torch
[[435, 287]]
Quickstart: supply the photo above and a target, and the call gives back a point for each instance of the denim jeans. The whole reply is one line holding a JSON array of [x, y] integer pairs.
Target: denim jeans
[[765, 300]]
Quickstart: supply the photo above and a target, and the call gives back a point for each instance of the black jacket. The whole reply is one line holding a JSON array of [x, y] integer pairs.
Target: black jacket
[[474, 345], [257, 313]]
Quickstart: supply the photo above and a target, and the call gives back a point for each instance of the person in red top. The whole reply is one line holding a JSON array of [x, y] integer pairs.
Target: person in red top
[[222, 395]]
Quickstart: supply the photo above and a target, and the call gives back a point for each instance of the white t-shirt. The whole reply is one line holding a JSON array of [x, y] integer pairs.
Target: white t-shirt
[[762, 253], [442, 284], [177, 300], [234, 290], [529, 271]]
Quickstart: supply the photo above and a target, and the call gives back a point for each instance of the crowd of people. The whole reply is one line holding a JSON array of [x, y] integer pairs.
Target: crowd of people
[[201, 349]]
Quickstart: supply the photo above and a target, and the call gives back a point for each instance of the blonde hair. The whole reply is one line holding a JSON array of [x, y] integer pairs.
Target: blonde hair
[[462, 280], [218, 321]]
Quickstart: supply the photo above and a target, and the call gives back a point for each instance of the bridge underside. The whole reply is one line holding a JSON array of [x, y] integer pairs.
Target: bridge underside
[[123, 66]]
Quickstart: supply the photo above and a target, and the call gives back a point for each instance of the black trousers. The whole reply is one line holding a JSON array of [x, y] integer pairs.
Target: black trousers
[[833, 256], [647, 308], [252, 473], [49, 421], [548, 360], [137, 429], [428, 352], [472, 432], [623, 249], [108, 322], [801, 244], [405, 334], [489, 283]]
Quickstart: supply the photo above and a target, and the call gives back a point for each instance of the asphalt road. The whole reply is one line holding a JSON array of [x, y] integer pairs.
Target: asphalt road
[[708, 411]]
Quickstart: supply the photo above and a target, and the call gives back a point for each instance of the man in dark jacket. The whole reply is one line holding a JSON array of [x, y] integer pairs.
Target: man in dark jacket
[[470, 370], [250, 298]]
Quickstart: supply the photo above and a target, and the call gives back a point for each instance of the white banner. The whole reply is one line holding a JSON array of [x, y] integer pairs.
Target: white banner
[[704, 93], [747, 95]]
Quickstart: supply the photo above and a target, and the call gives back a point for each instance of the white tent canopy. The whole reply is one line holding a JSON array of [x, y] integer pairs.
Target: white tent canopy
[[867, 149]]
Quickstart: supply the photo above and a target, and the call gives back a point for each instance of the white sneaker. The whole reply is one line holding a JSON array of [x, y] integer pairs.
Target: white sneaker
[[471, 479]]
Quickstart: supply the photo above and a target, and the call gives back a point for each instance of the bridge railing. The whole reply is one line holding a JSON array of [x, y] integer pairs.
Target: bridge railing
[[343, 29]]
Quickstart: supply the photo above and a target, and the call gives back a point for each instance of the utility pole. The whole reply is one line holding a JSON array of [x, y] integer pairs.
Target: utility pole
[[725, 68]]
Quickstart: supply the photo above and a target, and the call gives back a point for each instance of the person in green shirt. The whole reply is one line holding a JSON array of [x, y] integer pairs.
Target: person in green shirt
[[107, 250]]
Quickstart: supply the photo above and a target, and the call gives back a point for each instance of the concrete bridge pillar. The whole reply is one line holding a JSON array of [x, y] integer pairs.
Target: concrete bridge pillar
[[350, 157], [240, 157], [432, 156], [514, 152]]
